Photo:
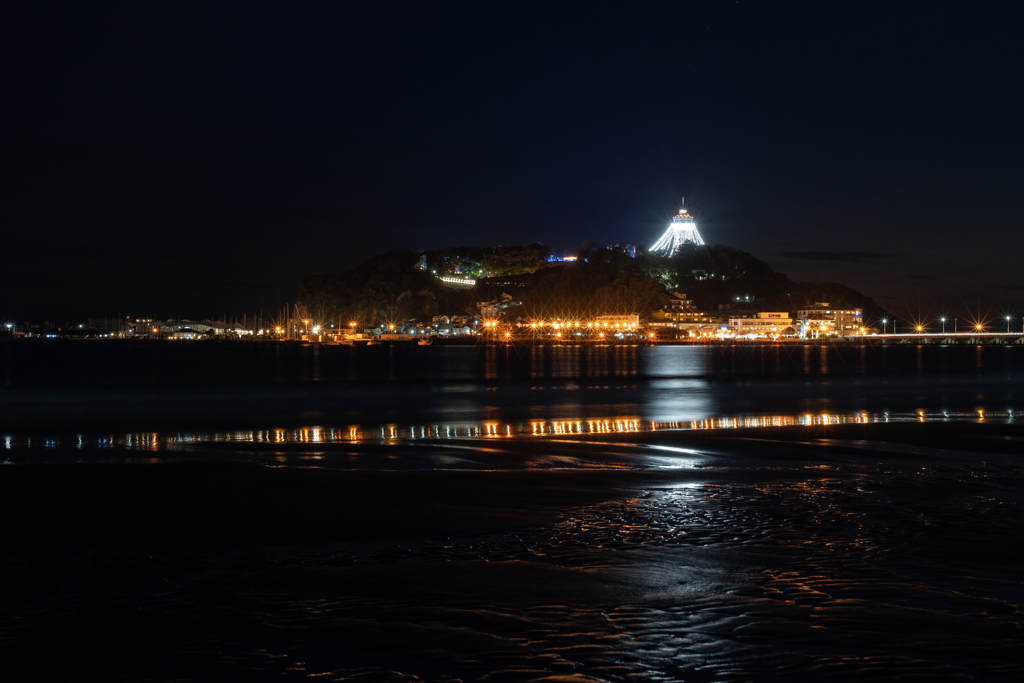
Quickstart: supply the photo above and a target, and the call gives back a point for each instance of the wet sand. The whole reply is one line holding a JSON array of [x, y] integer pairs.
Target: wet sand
[[847, 552]]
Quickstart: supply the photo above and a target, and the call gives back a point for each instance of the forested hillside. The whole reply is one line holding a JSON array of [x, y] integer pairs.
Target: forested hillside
[[392, 287]]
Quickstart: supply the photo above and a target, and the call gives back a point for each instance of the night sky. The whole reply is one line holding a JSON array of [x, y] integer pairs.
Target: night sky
[[197, 159]]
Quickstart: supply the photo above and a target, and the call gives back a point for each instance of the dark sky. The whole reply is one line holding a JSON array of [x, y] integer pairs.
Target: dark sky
[[195, 159]]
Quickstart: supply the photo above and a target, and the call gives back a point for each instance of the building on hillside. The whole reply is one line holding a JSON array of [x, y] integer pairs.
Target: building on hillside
[[681, 313], [494, 308], [441, 324], [765, 324], [823, 320], [461, 324]]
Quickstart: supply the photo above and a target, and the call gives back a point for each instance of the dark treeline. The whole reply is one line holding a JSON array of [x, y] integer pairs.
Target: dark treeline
[[393, 287]]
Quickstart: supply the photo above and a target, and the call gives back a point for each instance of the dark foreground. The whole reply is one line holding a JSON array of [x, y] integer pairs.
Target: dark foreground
[[865, 552]]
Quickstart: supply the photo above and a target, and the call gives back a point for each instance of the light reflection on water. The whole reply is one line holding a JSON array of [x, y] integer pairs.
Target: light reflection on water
[[494, 429]]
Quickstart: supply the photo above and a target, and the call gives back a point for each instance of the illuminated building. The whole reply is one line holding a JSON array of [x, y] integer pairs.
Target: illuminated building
[[821, 320], [681, 313], [766, 324], [680, 232]]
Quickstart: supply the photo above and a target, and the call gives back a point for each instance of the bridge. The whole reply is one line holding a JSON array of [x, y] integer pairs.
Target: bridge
[[972, 337]]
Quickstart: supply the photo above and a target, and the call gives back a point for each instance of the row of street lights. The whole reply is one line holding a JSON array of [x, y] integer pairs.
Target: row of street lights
[[978, 327]]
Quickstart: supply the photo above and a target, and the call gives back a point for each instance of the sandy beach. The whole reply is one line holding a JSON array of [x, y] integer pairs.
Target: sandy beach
[[866, 552]]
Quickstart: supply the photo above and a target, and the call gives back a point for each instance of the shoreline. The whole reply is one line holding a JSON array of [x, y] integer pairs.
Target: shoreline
[[793, 551], [959, 338], [181, 499]]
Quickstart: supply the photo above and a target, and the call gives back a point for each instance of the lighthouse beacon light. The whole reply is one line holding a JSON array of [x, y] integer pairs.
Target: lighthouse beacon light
[[682, 230]]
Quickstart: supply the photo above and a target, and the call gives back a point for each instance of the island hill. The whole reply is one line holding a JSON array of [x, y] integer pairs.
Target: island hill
[[409, 291]]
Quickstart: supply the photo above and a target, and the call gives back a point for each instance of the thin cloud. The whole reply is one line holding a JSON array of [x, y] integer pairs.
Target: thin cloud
[[842, 256]]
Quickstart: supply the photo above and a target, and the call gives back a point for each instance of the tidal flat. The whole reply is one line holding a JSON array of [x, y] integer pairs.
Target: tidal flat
[[847, 551]]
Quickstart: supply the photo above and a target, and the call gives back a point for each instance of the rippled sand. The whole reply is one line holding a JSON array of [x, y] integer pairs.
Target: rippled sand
[[866, 552]]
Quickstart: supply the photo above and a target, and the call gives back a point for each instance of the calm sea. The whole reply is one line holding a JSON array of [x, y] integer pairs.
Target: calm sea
[[54, 392]]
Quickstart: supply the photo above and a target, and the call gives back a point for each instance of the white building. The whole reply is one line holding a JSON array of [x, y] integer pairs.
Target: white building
[[822, 320], [766, 324]]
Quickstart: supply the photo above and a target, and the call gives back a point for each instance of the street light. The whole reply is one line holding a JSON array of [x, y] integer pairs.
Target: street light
[[943, 321], [1007, 324], [884, 321]]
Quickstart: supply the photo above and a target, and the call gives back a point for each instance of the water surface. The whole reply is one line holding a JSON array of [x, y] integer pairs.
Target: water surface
[[464, 514]]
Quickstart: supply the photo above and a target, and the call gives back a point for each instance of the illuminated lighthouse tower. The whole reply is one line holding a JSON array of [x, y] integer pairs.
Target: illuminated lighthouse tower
[[681, 231]]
